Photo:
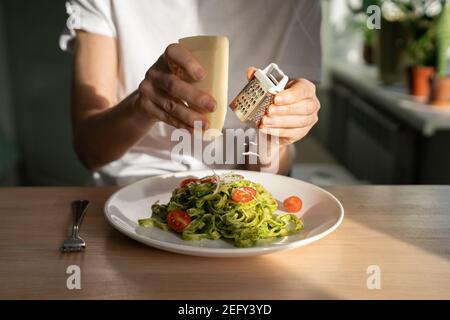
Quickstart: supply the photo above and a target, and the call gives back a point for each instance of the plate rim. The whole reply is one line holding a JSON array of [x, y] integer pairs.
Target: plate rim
[[225, 252]]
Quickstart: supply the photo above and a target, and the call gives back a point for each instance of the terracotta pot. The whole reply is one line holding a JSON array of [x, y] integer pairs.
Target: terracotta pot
[[441, 92], [420, 82]]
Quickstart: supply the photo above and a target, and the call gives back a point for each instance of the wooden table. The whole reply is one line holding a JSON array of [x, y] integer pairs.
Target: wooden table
[[403, 230]]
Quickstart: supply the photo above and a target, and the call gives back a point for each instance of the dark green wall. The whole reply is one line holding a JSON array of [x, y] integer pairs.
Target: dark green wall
[[39, 76]]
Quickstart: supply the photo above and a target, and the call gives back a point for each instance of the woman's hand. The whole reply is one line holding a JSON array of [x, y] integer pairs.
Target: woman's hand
[[167, 94], [294, 112]]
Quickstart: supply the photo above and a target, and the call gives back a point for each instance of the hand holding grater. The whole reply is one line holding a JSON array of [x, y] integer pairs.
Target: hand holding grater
[[251, 103]]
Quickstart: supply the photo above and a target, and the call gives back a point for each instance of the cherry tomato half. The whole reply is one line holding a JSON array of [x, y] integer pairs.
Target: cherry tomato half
[[185, 182], [212, 179], [293, 204], [178, 220], [243, 194]]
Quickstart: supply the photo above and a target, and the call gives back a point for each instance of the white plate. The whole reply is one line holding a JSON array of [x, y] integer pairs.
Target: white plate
[[322, 213]]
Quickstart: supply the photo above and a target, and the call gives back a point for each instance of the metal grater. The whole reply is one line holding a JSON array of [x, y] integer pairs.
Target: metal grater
[[251, 103]]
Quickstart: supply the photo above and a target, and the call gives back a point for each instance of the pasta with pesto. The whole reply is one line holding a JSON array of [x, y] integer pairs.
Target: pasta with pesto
[[228, 207]]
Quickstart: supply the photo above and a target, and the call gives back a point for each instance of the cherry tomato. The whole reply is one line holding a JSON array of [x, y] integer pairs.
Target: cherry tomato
[[185, 182], [178, 220], [293, 204], [243, 194], [212, 179]]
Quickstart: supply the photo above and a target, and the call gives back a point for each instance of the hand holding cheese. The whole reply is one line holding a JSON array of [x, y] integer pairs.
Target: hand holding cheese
[[212, 52], [169, 85]]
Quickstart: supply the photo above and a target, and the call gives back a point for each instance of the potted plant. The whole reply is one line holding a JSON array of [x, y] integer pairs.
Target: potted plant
[[421, 51], [441, 83], [420, 18]]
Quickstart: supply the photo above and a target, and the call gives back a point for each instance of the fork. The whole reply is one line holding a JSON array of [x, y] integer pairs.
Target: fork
[[75, 242]]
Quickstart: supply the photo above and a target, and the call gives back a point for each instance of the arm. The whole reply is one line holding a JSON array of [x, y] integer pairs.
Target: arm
[[103, 128]]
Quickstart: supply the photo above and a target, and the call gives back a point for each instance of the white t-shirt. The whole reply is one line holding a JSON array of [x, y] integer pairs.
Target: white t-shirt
[[286, 32]]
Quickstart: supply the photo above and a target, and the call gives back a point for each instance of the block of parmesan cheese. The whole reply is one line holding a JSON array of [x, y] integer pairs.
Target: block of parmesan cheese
[[212, 52]]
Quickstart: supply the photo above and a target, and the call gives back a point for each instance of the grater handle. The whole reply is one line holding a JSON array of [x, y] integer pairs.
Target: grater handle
[[283, 82]]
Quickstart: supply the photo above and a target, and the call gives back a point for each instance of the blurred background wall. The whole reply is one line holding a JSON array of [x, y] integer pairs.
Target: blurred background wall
[[34, 99], [8, 153]]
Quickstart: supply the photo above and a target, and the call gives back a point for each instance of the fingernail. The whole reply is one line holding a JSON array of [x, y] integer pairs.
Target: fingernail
[[199, 74]]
